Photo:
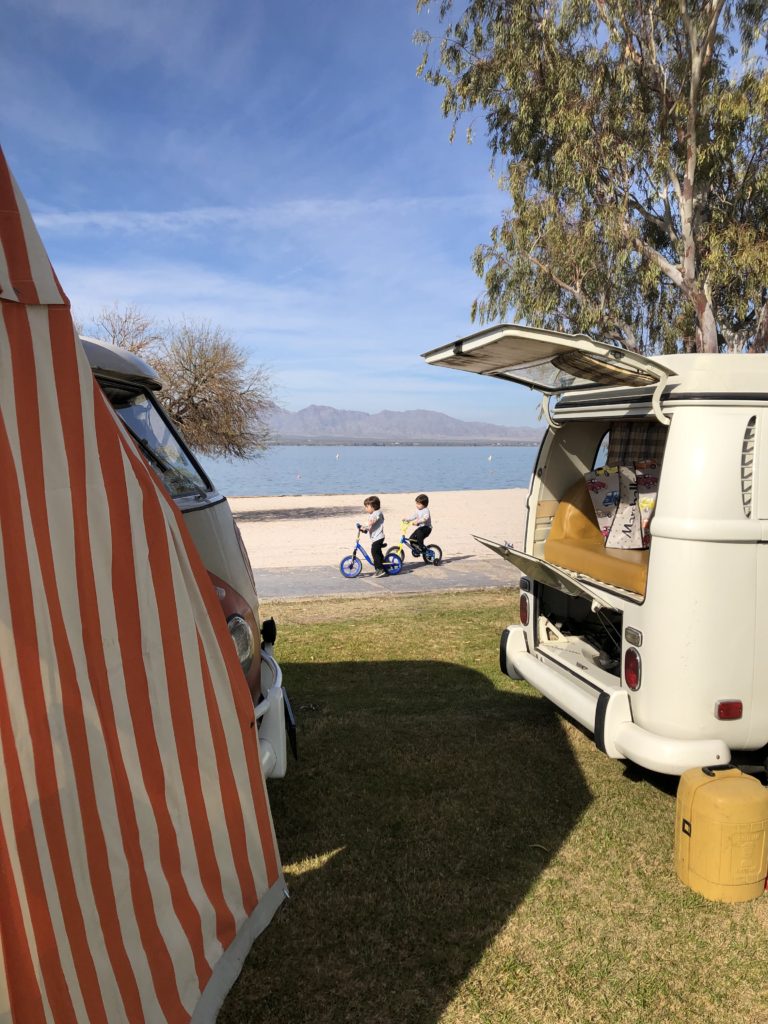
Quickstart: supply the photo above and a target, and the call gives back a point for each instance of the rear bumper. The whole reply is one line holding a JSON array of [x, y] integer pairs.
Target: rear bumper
[[606, 714]]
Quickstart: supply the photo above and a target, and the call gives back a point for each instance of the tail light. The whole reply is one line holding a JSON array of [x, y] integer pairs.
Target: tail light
[[632, 669], [729, 710], [525, 610]]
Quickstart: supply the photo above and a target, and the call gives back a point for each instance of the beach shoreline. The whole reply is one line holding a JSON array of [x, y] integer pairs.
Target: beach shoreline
[[291, 531]]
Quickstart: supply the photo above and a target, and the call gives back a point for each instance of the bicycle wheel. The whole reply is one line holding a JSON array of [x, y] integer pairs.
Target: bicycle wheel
[[393, 563], [350, 566], [433, 554], [397, 550]]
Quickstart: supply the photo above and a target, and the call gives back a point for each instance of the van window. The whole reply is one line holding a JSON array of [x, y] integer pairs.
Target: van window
[[601, 457], [161, 446]]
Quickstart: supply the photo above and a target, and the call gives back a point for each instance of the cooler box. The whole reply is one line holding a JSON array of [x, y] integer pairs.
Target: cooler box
[[721, 834]]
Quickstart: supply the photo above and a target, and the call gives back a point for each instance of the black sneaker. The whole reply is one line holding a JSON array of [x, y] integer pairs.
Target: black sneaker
[[379, 572]]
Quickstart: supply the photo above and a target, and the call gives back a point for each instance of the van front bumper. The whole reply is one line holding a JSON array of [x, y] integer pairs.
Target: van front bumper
[[606, 714], [270, 714]]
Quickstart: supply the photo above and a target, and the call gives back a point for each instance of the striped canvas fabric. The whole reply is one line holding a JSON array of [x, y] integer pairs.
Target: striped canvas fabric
[[137, 854]]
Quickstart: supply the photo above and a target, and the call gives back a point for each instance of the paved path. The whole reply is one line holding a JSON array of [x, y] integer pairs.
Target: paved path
[[464, 572]]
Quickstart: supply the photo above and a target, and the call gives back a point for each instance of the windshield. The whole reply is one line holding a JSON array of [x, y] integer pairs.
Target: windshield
[[162, 447]]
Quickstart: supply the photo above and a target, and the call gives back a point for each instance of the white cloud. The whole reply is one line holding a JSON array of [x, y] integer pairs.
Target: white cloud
[[302, 213]]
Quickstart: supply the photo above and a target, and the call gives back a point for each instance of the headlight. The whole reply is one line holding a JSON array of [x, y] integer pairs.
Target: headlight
[[242, 637]]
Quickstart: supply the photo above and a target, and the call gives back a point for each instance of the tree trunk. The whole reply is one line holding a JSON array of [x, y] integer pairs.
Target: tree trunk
[[761, 334], [706, 327]]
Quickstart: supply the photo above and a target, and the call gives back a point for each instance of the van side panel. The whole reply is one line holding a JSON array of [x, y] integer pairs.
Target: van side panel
[[759, 725], [700, 615], [698, 624]]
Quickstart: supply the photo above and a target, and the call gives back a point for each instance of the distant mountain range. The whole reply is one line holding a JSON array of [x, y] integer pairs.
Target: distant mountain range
[[318, 424]]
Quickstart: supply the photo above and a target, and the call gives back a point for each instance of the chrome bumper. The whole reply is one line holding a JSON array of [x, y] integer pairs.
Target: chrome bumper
[[607, 714], [270, 716]]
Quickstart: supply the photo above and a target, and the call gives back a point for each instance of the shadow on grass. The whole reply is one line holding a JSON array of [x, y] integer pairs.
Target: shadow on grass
[[424, 807]]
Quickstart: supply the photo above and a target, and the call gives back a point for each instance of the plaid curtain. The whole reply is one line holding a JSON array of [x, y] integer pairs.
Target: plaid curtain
[[630, 441]]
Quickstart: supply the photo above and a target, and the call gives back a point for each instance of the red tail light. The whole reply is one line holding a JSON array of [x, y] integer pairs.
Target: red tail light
[[729, 710], [632, 668], [525, 610]]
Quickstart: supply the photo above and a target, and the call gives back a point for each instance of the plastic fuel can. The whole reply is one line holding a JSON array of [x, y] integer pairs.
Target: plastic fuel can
[[721, 834]]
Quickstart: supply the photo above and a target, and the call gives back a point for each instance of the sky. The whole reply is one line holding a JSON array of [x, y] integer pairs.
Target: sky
[[275, 169]]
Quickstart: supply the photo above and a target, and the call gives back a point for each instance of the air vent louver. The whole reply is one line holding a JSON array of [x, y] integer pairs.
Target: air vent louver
[[747, 464]]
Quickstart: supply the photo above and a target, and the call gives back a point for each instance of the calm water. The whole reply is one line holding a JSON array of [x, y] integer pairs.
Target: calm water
[[327, 469]]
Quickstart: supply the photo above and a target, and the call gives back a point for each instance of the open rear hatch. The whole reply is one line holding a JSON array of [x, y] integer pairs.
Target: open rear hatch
[[548, 361], [567, 582]]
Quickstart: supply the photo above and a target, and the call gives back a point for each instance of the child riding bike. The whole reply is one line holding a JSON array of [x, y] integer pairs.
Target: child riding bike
[[423, 520]]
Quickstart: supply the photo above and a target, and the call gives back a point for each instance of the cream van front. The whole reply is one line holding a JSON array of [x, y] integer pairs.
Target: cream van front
[[130, 385]]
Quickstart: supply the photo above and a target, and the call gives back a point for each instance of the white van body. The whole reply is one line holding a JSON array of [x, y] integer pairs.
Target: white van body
[[662, 654], [130, 385]]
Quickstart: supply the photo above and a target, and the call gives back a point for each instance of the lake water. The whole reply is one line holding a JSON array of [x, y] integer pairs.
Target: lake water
[[362, 469]]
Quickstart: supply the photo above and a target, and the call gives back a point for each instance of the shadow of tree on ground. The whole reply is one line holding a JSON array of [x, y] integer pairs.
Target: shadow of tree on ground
[[276, 515], [424, 807]]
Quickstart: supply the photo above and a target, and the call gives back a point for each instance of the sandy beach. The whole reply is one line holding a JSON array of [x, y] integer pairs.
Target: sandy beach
[[318, 530]]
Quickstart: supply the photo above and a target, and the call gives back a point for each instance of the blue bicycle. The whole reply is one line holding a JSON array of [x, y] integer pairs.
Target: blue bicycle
[[431, 553], [352, 566]]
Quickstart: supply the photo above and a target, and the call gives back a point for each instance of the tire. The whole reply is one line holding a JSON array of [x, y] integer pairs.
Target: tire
[[433, 554], [393, 563], [397, 550], [350, 567]]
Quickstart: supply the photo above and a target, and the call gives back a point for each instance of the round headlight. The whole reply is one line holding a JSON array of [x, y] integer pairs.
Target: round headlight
[[242, 638]]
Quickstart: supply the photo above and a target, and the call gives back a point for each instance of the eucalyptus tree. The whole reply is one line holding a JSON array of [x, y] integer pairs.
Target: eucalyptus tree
[[631, 137]]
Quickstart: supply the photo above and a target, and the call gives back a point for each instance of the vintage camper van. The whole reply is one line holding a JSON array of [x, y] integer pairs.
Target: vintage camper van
[[131, 385], [645, 565]]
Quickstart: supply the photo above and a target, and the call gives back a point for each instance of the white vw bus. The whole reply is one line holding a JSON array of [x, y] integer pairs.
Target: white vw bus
[[130, 385], [645, 569]]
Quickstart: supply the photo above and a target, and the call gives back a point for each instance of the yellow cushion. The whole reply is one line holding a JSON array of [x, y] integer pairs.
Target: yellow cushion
[[575, 543]]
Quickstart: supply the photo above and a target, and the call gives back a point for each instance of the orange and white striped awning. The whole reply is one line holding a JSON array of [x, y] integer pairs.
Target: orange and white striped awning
[[137, 855]]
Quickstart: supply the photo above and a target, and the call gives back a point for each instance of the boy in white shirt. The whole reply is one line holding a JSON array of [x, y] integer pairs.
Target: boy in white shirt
[[423, 520]]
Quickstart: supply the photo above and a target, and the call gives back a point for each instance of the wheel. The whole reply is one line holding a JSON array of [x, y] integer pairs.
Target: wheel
[[397, 551], [433, 555], [393, 563], [350, 566]]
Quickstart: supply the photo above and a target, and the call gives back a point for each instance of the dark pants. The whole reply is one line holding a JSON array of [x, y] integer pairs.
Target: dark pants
[[376, 551], [418, 537]]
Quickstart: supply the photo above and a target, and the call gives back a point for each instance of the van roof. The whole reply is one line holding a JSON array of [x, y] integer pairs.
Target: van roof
[[696, 378], [117, 363], [717, 373]]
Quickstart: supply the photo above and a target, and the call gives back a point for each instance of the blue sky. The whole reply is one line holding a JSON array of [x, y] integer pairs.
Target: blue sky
[[277, 169]]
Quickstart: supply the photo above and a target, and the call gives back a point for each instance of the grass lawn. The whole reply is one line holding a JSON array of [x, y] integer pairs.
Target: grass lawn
[[456, 851]]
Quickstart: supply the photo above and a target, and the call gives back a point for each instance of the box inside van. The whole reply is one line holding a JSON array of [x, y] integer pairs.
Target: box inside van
[[645, 564]]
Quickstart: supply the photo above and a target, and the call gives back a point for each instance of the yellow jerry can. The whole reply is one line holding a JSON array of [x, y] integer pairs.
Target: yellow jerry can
[[721, 834]]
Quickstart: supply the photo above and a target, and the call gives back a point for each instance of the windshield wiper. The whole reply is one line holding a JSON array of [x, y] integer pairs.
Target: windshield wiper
[[166, 467]]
